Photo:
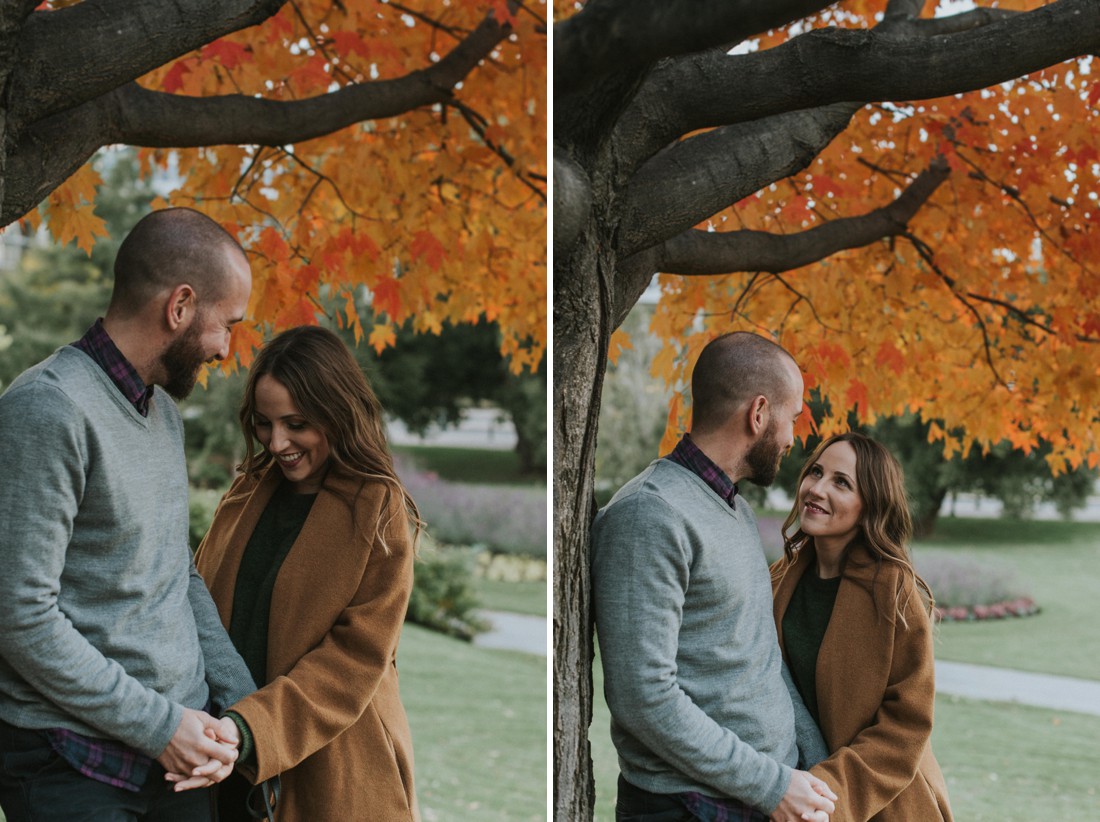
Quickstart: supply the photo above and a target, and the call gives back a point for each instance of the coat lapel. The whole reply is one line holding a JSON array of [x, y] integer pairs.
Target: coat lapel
[[233, 527]]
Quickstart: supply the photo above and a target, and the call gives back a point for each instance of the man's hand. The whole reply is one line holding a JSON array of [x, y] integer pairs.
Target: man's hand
[[808, 799], [201, 752]]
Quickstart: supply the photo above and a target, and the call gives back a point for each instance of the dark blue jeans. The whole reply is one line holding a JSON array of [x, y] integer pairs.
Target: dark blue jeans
[[636, 805], [37, 785]]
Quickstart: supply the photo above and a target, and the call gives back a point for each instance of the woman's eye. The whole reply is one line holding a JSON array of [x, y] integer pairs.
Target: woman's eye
[[262, 424], [295, 426]]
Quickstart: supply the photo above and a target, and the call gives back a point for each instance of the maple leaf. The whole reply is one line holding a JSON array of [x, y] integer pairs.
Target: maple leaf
[[382, 336], [426, 245], [620, 342], [349, 42], [173, 80], [227, 52], [386, 297]]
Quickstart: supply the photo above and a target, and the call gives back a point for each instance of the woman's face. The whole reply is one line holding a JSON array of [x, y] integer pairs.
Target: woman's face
[[300, 449], [828, 499]]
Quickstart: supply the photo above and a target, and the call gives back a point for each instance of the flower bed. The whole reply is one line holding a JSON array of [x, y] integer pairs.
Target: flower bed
[[1021, 606], [968, 588]]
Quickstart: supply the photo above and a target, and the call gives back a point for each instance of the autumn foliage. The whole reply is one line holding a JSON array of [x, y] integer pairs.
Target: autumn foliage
[[439, 212], [983, 317]]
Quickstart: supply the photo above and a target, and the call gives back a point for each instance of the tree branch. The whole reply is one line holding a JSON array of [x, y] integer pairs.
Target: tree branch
[[615, 35], [899, 60], [701, 252], [78, 53], [54, 148], [572, 202], [702, 175]]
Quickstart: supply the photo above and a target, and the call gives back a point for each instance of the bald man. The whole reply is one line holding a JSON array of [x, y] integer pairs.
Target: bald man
[[112, 656], [703, 715]]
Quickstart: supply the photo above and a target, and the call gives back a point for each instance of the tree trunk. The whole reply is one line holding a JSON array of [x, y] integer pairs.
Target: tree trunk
[[582, 329]]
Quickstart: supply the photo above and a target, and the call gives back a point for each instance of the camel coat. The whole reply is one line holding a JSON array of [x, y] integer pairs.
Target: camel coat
[[329, 719], [875, 692]]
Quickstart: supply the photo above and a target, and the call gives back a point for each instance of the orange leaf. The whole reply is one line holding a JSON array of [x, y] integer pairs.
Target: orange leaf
[[426, 245], [382, 336]]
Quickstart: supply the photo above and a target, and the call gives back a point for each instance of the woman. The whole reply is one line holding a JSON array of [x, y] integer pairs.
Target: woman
[[854, 623], [309, 559]]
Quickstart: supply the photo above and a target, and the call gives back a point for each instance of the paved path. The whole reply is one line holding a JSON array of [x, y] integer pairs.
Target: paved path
[[513, 632], [518, 632], [1061, 693]]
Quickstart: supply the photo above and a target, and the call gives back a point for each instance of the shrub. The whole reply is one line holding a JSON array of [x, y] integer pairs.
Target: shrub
[[967, 589], [507, 519], [201, 505], [443, 597]]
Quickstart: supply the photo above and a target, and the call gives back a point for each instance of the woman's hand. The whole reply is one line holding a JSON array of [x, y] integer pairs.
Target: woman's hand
[[213, 771]]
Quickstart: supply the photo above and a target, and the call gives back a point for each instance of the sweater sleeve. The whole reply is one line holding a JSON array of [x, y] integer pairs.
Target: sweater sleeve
[[40, 494], [330, 687], [811, 746], [226, 673], [639, 603], [881, 761]]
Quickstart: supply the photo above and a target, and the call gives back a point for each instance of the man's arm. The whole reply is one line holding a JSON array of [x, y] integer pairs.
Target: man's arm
[[811, 745], [226, 673]]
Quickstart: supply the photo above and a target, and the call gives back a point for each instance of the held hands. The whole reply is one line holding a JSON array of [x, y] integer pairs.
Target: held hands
[[201, 752], [808, 799]]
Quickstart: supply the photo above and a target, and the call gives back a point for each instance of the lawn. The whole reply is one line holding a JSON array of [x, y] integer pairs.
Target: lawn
[[1058, 564], [518, 597], [1002, 762], [473, 465], [478, 719]]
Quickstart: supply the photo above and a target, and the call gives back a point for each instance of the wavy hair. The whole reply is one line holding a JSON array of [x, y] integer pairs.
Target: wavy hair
[[885, 526], [330, 391]]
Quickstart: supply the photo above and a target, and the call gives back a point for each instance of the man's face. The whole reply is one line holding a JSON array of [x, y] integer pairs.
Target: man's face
[[206, 339], [767, 452]]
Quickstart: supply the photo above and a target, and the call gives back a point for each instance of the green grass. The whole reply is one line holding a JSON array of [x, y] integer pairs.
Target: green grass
[[1009, 762], [472, 465], [517, 597], [1001, 762], [1057, 563], [478, 720]]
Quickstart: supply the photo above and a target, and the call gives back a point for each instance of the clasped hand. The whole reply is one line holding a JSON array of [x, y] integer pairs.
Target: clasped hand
[[201, 752]]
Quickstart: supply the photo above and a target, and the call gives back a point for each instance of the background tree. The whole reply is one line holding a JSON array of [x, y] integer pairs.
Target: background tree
[[432, 379], [396, 146], [916, 257]]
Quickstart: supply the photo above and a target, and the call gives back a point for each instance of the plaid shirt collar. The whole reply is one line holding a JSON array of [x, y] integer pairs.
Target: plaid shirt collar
[[688, 455], [98, 345]]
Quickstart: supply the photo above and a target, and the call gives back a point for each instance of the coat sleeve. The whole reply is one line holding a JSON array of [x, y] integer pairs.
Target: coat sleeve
[[330, 687], [882, 759]]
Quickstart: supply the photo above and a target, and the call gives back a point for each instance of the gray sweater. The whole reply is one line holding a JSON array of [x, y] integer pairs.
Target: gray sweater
[[105, 626], [693, 673]]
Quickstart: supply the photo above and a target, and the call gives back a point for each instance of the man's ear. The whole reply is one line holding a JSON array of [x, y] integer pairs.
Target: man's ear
[[179, 309], [759, 410]]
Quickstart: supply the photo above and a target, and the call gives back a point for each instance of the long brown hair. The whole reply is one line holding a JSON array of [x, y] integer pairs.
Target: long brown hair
[[885, 526], [330, 391]]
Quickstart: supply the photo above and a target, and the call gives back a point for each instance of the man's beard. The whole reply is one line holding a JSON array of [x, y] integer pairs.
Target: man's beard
[[182, 360], [763, 459]]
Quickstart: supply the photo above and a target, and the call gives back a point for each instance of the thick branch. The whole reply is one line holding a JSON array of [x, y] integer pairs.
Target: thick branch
[[572, 202], [55, 147], [81, 52], [899, 60], [613, 35], [700, 252], [702, 175]]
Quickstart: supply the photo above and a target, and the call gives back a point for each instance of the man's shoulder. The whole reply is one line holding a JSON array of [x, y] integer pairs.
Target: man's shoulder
[[40, 387]]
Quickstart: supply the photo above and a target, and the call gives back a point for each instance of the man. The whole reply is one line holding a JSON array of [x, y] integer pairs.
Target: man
[[701, 714], [111, 650]]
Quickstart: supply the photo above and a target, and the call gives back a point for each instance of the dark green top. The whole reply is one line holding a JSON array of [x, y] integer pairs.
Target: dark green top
[[268, 546], [804, 626]]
